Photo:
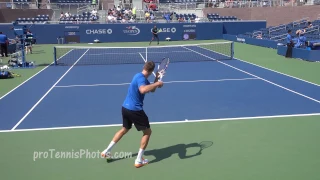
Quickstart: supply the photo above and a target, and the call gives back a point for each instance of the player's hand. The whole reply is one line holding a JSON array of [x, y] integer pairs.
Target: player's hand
[[159, 84]]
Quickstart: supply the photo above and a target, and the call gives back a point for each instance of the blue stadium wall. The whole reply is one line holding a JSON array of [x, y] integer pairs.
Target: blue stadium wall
[[86, 33]]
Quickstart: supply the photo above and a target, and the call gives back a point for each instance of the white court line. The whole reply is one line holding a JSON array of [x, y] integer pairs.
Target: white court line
[[168, 122], [267, 68], [315, 100], [146, 61], [166, 52], [34, 106], [32, 77], [279, 72], [168, 82]]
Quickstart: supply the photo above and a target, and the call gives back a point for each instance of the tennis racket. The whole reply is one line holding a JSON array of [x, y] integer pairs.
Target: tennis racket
[[162, 67], [159, 31], [15, 74]]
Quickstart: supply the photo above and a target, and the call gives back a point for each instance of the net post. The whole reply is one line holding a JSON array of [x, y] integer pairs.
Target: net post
[[146, 53], [232, 50], [55, 55]]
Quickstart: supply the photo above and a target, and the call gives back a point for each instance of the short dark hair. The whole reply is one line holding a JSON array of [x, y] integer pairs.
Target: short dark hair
[[0, 32], [289, 31], [149, 66]]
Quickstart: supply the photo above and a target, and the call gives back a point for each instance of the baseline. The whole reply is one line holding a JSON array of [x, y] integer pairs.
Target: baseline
[[168, 122]]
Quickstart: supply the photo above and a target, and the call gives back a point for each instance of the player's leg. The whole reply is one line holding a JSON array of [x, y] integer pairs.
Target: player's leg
[[157, 38], [126, 126], [151, 40], [6, 50], [141, 123], [2, 49]]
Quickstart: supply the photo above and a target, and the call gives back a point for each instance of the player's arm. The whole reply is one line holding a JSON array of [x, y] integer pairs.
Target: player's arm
[[149, 88]]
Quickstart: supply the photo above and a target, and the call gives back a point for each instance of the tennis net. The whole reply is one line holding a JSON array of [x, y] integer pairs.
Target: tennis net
[[79, 55]]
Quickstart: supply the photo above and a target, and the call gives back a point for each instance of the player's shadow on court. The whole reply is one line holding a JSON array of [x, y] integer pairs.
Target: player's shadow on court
[[179, 149]]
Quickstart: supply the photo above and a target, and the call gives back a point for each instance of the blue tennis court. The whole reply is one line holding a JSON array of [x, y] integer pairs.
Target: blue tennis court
[[90, 89]]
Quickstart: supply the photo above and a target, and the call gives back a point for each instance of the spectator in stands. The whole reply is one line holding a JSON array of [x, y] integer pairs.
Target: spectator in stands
[[134, 12], [110, 18], [152, 17], [152, 7], [93, 3], [4, 44], [94, 12], [131, 20], [181, 19], [61, 15], [309, 25], [197, 19], [67, 14], [290, 44], [259, 36], [147, 16], [167, 17]]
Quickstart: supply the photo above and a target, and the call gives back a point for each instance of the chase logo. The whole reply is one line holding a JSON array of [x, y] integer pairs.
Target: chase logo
[[132, 30], [99, 31], [168, 30]]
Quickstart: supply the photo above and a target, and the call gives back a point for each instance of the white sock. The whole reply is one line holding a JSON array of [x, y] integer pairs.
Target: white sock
[[140, 154], [109, 147]]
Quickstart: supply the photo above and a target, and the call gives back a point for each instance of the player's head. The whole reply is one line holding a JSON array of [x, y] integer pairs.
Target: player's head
[[148, 68], [154, 26]]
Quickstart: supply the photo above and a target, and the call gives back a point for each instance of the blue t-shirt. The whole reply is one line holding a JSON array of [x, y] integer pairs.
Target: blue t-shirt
[[3, 39], [289, 38], [134, 99]]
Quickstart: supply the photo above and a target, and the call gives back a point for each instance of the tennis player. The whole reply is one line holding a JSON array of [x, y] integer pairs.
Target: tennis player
[[155, 34], [133, 113]]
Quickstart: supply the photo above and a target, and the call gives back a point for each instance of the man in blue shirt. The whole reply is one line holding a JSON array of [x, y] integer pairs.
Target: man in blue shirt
[[289, 44], [133, 113], [4, 44]]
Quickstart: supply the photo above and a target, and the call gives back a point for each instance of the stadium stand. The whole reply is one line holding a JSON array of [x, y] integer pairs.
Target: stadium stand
[[39, 19], [5, 4], [217, 17], [22, 4], [278, 33], [120, 15], [85, 17], [10, 15]]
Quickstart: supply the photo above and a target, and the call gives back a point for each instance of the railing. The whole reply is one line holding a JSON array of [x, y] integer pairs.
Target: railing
[[277, 28], [276, 38], [14, 5], [300, 21], [106, 22], [257, 3], [82, 9]]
